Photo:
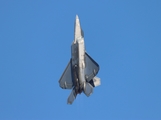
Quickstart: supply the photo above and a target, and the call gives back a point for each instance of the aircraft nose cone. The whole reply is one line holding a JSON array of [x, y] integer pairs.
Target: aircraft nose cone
[[77, 31], [76, 17]]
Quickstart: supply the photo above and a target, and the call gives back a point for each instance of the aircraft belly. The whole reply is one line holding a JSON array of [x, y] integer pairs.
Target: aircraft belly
[[81, 76], [74, 53], [81, 53]]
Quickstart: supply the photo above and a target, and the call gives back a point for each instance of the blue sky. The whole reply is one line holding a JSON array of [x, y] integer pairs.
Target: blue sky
[[124, 37]]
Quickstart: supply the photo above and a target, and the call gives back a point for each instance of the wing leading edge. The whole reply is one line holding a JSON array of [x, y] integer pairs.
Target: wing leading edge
[[66, 80]]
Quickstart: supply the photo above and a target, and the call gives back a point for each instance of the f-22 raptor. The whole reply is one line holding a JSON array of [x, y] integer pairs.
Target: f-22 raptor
[[80, 73]]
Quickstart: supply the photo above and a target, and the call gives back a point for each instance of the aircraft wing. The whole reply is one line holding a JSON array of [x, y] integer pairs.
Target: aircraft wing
[[91, 68], [66, 80]]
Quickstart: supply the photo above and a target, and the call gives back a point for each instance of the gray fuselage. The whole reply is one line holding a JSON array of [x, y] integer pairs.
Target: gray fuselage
[[80, 73], [78, 64]]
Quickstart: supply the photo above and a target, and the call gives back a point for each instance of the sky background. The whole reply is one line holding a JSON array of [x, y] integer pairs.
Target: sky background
[[123, 36]]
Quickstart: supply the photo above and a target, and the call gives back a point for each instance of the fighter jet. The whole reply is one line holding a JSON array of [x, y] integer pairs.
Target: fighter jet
[[80, 73]]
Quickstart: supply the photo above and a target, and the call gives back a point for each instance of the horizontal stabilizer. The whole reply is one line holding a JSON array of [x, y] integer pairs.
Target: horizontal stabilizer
[[88, 89], [71, 97]]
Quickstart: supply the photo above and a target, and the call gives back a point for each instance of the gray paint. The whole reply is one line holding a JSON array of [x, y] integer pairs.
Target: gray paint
[[80, 73]]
